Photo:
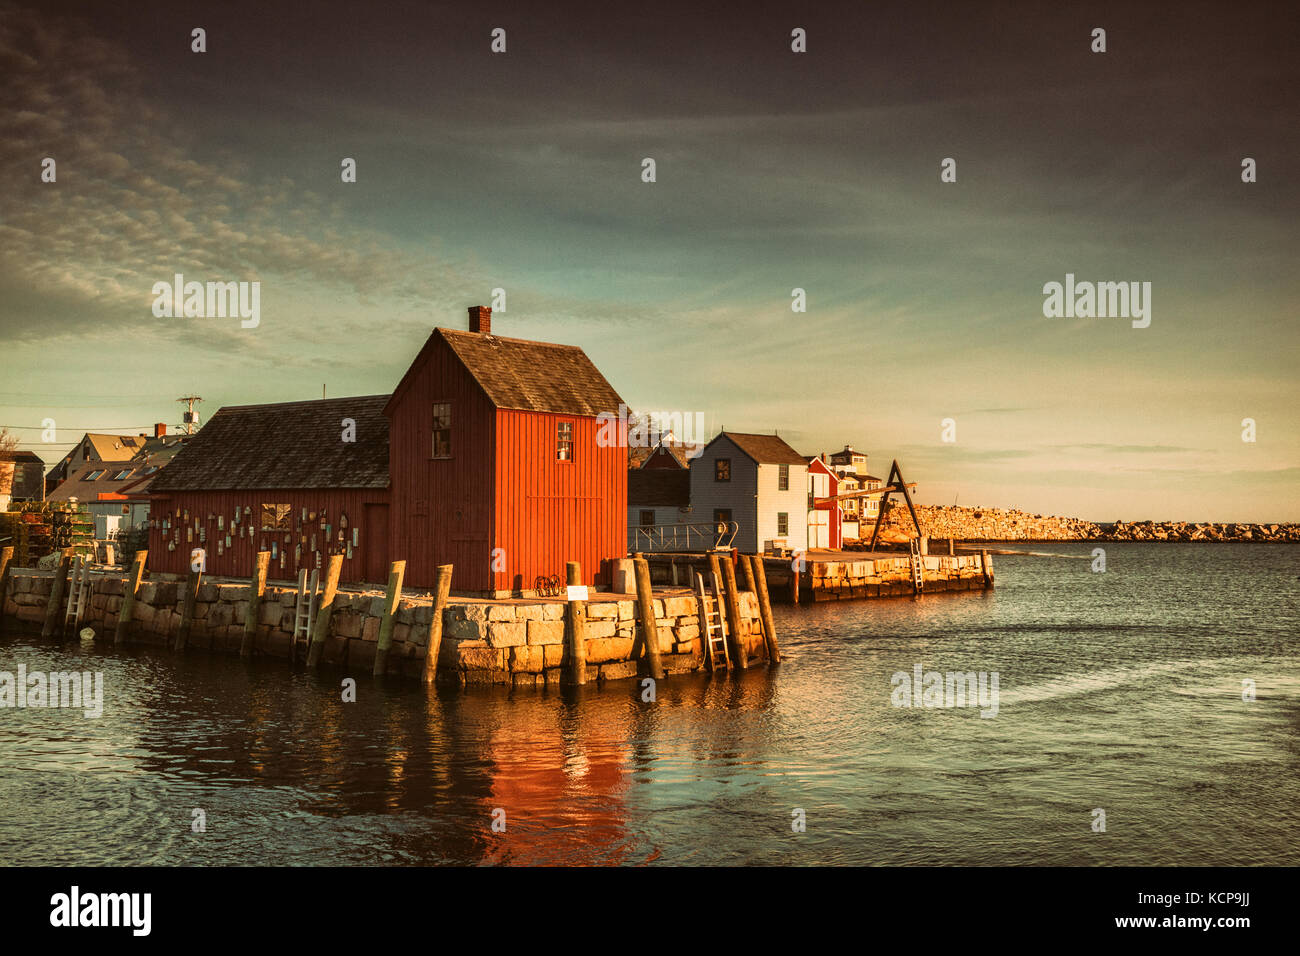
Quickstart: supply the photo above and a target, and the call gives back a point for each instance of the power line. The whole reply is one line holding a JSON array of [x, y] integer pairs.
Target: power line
[[86, 404], [79, 428]]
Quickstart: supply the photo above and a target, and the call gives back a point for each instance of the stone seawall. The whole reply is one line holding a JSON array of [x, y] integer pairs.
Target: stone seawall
[[996, 524], [483, 642], [825, 580], [892, 577]]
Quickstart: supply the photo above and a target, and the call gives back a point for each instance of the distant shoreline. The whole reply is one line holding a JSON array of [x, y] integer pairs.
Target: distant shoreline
[[964, 523]]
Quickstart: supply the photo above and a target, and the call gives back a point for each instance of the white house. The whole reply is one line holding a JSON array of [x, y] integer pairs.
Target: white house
[[757, 481]]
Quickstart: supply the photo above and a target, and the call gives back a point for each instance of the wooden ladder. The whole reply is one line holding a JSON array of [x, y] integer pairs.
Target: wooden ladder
[[78, 593], [304, 615], [713, 626], [918, 565]]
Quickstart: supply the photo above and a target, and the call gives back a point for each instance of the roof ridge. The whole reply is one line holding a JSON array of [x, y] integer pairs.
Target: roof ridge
[[509, 338], [301, 401]]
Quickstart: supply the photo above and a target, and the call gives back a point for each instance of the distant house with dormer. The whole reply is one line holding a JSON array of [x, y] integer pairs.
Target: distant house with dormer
[[114, 488]]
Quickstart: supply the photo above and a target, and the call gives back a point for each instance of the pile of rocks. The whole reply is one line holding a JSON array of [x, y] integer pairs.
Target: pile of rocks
[[986, 524], [997, 524], [1198, 531]]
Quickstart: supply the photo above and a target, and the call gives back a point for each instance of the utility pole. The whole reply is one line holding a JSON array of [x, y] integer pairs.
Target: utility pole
[[191, 418]]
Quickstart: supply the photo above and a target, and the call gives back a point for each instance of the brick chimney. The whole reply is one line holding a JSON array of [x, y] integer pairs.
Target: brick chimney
[[480, 319], [159, 430]]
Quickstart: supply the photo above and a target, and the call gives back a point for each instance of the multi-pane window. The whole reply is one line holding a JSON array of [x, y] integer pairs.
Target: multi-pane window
[[722, 516], [783, 478], [95, 475], [564, 442], [647, 519], [441, 430], [722, 469], [782, 523], [122, 474], [276, 517]]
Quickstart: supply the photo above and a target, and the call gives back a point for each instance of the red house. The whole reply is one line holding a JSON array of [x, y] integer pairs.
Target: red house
[[486, 456], [495, 463], [824, 517]]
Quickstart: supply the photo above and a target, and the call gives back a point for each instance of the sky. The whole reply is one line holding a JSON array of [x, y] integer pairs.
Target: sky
[[774, 171]]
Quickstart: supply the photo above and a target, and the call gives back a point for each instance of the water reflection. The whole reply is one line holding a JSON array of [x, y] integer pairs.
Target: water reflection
[[1123, 689]]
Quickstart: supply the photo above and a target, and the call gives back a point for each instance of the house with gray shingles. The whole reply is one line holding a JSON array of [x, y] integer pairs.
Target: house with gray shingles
[[757, 481]]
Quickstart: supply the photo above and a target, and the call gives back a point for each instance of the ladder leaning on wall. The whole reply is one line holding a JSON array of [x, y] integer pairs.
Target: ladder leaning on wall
[[713, 626], [918, 565], [304, 615], [78, 593]]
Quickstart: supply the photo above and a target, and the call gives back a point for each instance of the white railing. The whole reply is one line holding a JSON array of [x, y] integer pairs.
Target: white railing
[[682, 537]]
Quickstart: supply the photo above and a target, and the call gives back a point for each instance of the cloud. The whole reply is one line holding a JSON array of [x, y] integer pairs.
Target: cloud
[[132, 206]]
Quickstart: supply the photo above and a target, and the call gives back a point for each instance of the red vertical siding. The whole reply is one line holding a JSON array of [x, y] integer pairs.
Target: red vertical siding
[[441, 510], [502, 488], [550, 512]]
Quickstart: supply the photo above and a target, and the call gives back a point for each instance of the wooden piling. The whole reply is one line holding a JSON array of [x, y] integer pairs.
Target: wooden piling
[[189, 599], [738, 653], [57, 588], [747, 574], [441, 589], [6, 559], [130, 588], [575, 630], [649, 626], [326, 612], [253, 610], [715, 569], [396, 574], [765, 608], [984, 568], [794, 582]]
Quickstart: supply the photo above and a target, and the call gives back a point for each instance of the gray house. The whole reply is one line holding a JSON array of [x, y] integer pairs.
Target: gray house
[[757, 481]]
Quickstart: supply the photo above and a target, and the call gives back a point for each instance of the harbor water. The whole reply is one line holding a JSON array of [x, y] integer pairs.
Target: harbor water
[[1147, 714]]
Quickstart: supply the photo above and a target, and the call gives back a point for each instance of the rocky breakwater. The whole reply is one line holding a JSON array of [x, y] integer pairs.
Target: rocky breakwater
[[998, 524], [985, 524], [1198, 531]]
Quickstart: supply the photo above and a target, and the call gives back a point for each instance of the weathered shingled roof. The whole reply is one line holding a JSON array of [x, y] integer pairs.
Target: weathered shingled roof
[[658, 487], [21, 456], [765, 449], [284, 446], [533, 376]]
